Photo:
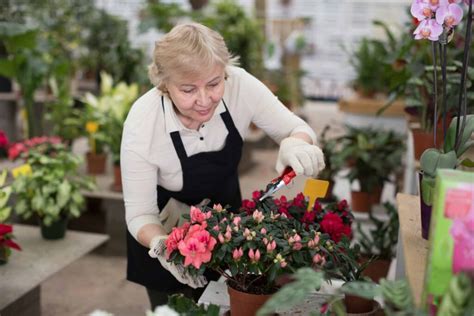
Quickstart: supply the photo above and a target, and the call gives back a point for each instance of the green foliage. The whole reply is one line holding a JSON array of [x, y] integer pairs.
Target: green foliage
[[383, 235], [54, 188], [375, 155], [242, 34], [109, 110], [5, 192], [449, 157], [187, 307], [305, 281], [330, 150], [345, 264]]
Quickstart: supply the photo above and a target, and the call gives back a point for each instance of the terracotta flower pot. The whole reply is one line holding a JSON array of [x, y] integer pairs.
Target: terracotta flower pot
[[96, 163], [377, 269], [423, 140], [361, 201], [117, 185], [245, 304], [360, 306], [376, 195]]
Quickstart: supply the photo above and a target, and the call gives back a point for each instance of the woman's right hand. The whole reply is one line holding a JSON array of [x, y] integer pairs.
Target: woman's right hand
[[157, 250]]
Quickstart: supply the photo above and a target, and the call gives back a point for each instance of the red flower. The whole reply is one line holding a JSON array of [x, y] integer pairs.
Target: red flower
[[5, 229], [308, 217], [333, 225], [3, 140], [341, 206], [256, 195], [5, 237], [284, 210]]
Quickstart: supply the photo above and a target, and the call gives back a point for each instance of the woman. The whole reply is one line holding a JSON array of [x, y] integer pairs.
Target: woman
[[182, 143]]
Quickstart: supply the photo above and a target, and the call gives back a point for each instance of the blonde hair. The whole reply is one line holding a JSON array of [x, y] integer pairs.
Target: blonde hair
[[186, 50]]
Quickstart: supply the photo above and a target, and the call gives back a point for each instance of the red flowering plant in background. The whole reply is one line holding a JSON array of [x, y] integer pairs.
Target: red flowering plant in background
[[3, 144], [6, 242], [334, 219], [44, 144], [250, 249]]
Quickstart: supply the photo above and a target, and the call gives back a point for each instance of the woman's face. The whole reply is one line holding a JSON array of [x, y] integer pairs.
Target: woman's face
[[197, 98]]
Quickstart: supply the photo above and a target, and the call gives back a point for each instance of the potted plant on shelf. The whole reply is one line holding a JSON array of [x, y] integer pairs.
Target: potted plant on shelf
[[52, 190], [437, 24], [249, 250], [372, 156], [380, 241]]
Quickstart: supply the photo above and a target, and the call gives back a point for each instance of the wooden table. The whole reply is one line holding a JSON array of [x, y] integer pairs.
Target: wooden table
[[414, 248], [21, 277]]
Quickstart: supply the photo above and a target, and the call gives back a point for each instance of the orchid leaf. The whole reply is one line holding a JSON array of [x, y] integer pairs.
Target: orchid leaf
[[451, 134], [467, 163], [427, 189], [433, 159]]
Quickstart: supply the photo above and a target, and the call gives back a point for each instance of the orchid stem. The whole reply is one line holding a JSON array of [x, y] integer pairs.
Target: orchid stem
[[462, 104], [435, 92], [443, 57]]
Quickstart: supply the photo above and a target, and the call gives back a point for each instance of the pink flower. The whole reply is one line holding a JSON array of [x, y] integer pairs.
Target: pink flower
[[215, 228], [258, 216], [237, 253], [246, 232], [283, 263], [197, 216], [220, 237], [297, 246], [227, 235], [218, 208], [263, 231], [271, 246], [176, 235], [421, 10], [197, 246], [428, 29], [317, 258], [237, 220], [342, 205], [3, 140], [450, 15], [254, 256], [265, 240]]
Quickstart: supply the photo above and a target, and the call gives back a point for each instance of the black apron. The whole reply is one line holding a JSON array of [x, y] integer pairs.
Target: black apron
[[210, 175]]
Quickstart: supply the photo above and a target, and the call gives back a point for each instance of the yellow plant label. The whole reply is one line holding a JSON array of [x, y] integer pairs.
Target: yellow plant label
[[92, 127], [21, 170], [314, 189]]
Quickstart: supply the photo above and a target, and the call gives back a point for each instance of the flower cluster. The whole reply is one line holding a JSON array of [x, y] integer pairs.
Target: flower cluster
[[334, 219], [6, 242], [3, 144], [256, 247], [44, 143], [436, 16]]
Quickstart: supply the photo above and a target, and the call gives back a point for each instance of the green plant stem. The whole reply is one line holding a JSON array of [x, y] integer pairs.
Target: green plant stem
[[462, 104], [443, 56], [435, 97]]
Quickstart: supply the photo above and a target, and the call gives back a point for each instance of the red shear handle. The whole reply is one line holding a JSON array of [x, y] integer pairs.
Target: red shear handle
[[288, 175]]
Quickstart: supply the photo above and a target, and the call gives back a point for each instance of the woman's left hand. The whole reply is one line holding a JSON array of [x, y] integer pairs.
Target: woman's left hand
[[303, 157]]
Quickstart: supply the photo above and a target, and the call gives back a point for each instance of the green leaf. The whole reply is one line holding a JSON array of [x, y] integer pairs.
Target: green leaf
[[38, 202], [5, 213], [63, 196], [306, 281], [4, 196], [466, 163], [367, 290], [427, 190]]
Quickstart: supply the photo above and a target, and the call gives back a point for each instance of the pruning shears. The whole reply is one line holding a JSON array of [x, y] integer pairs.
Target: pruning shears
[[278, 183]]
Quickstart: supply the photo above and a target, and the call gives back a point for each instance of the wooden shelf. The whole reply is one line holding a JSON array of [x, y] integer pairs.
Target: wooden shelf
[[368, 106], [415, 248]]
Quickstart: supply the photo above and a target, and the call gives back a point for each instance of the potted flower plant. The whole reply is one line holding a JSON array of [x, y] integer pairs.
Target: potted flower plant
[[52, 190], [6, 242], [110, 110], [249, 250], [6, 236], [437, 23], [380, 241]]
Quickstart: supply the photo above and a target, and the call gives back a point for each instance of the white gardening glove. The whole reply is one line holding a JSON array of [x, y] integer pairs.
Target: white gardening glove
[[303, 157], [172, 214], [157, 250]]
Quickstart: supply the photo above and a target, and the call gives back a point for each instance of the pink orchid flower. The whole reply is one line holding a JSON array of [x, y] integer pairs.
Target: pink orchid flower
[[428, 29], [421, 10], [450, 15]]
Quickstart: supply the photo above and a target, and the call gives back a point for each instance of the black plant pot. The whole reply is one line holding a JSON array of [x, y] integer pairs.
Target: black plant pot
[[57, 230]]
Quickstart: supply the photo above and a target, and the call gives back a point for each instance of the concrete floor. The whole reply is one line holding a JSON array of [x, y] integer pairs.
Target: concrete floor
[[98, 282]]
